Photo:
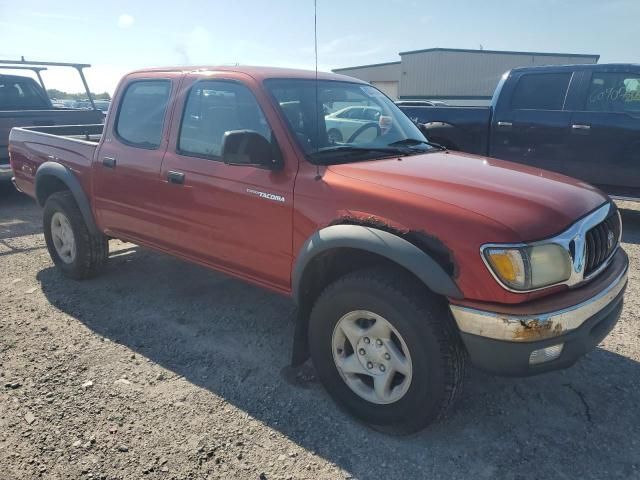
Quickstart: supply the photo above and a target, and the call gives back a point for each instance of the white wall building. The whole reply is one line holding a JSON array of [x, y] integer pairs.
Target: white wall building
[[453, 75]]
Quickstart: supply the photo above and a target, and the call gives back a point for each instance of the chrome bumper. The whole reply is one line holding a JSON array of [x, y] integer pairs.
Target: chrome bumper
[[529, 328], [6, 172]]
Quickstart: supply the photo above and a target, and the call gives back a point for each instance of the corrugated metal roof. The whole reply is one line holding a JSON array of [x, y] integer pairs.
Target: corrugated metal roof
[[383, 72], [550, 54], [366, 66]]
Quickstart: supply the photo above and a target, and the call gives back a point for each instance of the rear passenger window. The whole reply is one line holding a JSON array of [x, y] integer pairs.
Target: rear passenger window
[[214, 108], [541, 91], [614, 92], [142, 111]]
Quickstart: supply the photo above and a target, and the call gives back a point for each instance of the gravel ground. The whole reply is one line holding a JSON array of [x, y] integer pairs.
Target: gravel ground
[[161, 369]]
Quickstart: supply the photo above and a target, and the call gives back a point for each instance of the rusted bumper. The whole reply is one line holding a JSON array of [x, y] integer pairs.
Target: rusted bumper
[[511, 341]]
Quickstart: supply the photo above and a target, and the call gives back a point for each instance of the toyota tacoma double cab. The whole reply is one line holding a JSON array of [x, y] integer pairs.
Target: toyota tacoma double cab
[[404, 260]]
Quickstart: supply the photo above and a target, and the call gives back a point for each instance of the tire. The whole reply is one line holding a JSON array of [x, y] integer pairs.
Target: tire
[[425, 328], [90, 251], [334, 135]]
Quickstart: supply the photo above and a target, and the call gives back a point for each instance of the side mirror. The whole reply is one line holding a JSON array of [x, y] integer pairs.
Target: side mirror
[[249, 148]]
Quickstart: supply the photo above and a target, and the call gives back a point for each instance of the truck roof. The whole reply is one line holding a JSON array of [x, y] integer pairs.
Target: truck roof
[[16, 77], [587, 66], [259, 73]]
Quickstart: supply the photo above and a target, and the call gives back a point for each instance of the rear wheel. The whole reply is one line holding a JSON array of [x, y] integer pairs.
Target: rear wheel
[[73, 248], [386, 350]]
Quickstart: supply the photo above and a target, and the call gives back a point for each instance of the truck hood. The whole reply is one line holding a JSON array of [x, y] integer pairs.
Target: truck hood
[[531, 202]]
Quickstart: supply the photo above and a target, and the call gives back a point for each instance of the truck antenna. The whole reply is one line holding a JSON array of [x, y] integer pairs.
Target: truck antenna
[[315, 49]]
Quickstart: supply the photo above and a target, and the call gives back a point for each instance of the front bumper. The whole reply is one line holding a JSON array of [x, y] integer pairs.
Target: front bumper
[[502, 342]]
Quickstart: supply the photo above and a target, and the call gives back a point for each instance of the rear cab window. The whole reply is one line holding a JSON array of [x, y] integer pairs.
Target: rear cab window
[[142, 112], [541, 91], [21, 94]]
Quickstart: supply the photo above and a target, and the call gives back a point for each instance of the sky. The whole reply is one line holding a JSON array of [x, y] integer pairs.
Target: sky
[[119, 36]]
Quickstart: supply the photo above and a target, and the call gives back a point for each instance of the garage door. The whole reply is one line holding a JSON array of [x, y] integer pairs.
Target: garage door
[[388, 88]]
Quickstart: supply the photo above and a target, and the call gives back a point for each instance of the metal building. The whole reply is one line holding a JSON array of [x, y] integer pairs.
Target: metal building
[[453, 75]]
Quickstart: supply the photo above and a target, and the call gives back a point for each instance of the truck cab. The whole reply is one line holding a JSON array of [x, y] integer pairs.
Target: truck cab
[[579, 120]]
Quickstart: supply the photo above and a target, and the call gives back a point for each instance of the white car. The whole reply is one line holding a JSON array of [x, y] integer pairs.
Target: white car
[[343, 123]]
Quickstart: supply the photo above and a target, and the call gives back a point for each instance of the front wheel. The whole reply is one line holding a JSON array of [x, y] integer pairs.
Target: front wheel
[[73, 248], [386, 350]]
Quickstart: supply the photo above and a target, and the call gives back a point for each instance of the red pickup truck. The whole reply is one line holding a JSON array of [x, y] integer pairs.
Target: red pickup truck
[[404, 259]]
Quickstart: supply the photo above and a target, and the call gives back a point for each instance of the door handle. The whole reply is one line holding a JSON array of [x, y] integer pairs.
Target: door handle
[[580, 127], [505, 124], [175, 177], [109, 162]]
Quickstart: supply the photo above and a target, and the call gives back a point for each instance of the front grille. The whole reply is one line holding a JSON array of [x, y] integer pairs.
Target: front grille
[[602, 240]]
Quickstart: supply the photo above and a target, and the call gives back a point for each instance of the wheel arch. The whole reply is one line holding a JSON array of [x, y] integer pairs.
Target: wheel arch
[[52, 177], [358, 245]]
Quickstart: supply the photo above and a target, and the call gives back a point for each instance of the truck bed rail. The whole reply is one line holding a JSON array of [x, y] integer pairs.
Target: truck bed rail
[[85, 133]]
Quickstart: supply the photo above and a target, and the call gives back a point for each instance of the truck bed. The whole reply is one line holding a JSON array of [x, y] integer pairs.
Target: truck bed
[[70, 145], [457, 128], [28, 118]]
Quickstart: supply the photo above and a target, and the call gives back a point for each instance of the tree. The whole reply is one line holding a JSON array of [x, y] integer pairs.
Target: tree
[[60, 95], [53, 93]]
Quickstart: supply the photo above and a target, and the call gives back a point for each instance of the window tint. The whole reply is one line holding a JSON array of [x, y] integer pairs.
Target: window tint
[[21, 94], [142, 112], [541, 91], [216, 107], [614, 92]]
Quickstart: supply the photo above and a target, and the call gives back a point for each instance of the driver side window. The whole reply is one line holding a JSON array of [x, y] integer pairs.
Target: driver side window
[[214, 108]]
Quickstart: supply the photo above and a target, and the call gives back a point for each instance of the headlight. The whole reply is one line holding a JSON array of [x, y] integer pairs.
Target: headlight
[[529, 267]]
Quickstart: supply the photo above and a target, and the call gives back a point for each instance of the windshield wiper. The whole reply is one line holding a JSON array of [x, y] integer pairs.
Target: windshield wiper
[[415, 141], [348, 149]]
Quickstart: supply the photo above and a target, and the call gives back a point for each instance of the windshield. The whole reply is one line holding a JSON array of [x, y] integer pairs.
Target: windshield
[[344, 119]]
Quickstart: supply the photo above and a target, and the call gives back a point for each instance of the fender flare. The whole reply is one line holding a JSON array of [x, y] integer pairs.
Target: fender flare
[[66, 176], [380, 242]]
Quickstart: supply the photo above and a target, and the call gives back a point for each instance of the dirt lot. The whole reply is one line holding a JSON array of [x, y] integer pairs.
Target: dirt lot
[[161, 369]]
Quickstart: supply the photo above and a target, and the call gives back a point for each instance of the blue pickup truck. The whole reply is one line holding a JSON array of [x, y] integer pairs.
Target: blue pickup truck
[[579, 120]]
